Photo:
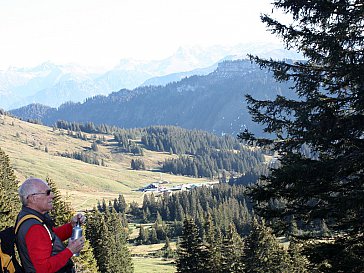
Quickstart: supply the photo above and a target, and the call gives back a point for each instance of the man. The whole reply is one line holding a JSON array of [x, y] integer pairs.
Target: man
[[39, 244]]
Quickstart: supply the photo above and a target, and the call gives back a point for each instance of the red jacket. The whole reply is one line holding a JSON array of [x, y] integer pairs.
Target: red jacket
[[39, 247]]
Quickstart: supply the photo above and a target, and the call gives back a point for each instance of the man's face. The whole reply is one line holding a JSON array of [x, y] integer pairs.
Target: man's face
[[42, 199]]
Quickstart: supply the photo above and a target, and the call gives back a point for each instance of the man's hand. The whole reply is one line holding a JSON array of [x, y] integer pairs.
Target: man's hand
[[76, 245], [78, 217]]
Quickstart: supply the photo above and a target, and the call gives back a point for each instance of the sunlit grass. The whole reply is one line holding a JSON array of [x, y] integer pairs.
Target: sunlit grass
[[81, 183], [149, 265]]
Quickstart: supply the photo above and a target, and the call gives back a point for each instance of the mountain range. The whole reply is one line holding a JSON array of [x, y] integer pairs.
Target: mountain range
[[52, 85], [214, 102]]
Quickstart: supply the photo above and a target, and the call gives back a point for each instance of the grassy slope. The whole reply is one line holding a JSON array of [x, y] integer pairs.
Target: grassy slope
[[149, 265], [145, 262], [82, 183]]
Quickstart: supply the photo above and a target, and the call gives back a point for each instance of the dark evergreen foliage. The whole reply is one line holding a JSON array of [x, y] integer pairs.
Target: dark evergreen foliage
[[327, 117], [167, 251], [183, 141], [263, 254], [232, 249], [34, 111], [83, 156], [120, 204], [203, 154], [143, 237], [249, 177], [224, 203], [35, 121], [61, 214], [108, 238], [191, 251], [9, 201], [260, 251], [213, 247], [137, 164], [298, 261]]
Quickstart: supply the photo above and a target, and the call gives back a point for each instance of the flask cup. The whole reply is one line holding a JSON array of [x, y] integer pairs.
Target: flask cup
[[76, 233]]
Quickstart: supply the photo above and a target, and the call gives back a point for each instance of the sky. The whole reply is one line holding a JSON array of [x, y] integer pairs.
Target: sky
[[101, 32]]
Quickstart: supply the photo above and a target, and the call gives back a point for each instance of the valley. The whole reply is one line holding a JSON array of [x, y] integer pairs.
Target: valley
[[82, 184]]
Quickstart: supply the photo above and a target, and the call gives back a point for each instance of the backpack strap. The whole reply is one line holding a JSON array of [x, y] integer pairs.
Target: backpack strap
[[26, 217], [31, 216]]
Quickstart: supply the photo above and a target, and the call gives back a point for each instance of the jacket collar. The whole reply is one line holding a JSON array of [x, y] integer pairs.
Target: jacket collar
[[44, 217]]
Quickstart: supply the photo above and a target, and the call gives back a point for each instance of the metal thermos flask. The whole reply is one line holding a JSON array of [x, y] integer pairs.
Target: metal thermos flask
[[76, 233]]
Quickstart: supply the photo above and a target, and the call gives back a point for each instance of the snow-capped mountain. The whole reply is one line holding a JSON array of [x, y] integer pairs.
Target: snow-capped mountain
[[52, 84], [48, 83], [213, 102]]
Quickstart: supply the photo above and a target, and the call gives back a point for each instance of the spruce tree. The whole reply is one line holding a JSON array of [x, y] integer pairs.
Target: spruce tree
[[120, 204], [120, 258], [191, 253], [232, 252], [61, 214], [103, 246], [62, 211], [94, 229], [298, 261], [9, 201], [262, 253], [153, 238], [213, 248], [86, 262], [167, 250], [327, 116], [108, 239], [143, 235]]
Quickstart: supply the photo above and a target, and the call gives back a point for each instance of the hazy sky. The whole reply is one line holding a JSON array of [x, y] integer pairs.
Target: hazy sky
[[101, 32]]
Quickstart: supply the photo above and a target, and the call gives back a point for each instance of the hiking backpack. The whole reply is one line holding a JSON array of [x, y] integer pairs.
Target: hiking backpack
[[9, 263]]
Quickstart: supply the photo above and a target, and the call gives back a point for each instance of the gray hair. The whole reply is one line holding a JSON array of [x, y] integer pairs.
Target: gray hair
[[27, 188]]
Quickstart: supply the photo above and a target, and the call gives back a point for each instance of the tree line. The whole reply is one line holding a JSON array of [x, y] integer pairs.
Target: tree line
[[201, 154], [224, 203], [84, 157], [257, 252]]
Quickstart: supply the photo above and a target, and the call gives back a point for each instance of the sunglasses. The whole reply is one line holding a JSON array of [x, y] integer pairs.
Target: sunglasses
[[47, 192]]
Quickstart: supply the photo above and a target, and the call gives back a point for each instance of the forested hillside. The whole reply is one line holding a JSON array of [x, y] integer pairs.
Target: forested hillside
[[200, 154], [213, 103], [102, 158]]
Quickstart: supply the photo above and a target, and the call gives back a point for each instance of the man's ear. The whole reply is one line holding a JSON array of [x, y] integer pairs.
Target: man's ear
[[30, 199]]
